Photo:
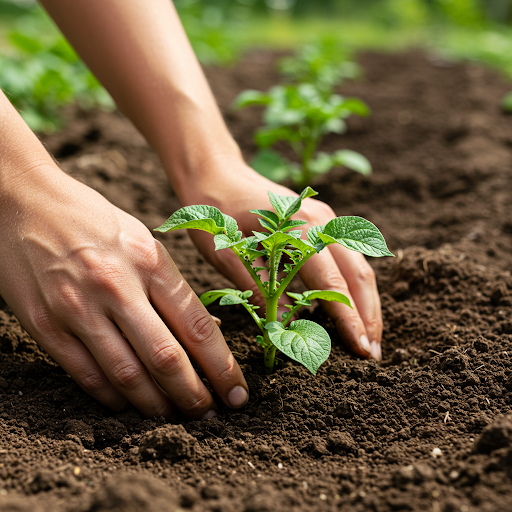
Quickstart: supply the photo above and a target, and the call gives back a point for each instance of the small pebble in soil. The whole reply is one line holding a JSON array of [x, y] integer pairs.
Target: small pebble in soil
[[436, 452]]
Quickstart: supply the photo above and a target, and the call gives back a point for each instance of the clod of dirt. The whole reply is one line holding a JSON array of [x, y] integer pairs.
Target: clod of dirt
[[134, 493], [496, 435], [108, 432], [341, 442], [19, 504], [171, 442], [81, 430], [268, 499]]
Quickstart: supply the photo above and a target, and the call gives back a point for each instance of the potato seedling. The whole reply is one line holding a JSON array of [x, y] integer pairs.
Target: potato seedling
[[302, 340], [324, 64], [301, 116]]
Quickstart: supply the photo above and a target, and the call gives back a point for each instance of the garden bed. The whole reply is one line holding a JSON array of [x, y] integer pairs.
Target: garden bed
[[423, 430]]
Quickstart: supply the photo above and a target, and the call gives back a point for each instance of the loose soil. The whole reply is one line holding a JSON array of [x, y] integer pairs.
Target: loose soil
[[428, 429]]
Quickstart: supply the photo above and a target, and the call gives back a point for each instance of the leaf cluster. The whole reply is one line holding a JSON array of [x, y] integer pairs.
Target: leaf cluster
[[280, 245], [324, 64], [42, 74]]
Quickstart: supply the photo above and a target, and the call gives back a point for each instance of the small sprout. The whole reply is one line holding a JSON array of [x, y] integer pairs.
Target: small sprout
[[302, 340]]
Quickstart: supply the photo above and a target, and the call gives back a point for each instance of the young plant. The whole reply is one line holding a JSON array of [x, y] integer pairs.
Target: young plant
[[301, 340], [324, 64], [301, 116]]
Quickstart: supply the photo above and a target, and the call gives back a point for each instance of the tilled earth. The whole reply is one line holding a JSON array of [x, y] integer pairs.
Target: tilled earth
[[428, 429]]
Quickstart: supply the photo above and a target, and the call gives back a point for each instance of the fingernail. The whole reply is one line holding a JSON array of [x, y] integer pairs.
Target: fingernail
[[209, 415], [217, 320], [364, 343], [376, 352], [238, 396]]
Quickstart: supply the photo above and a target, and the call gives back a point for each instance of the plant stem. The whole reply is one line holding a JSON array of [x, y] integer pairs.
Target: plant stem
[[292, 312], [255, 317], [269, 353], [269, 357], [287, 280], [253, 274]]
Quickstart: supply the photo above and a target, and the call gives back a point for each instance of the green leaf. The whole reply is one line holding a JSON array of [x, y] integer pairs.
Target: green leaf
[[290, 224], [322, 163], [304, 341], [352, 160], [268, 215], [355, 233], [25, 43], [356, 106], [223, 241], [202, 217], [314, 239], [208, 297], [250, 97], [327, 295], [286, 206], [268, 163], [276, 241], [230, 300]]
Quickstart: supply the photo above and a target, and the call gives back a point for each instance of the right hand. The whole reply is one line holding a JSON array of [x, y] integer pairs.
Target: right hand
[[93, 287]]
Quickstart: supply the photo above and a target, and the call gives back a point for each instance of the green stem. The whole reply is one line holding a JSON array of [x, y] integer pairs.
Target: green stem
[[253, 274], [255, 317], [292, 312], [269, 353], [287, 280]]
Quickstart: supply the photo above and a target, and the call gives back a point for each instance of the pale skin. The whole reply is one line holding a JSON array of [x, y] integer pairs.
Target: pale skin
[[90, 283]]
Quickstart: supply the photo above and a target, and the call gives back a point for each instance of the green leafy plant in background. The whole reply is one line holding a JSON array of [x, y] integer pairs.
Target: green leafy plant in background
[[41, 75], [506, 103], [324, 64], [301, 115], [301, 340]]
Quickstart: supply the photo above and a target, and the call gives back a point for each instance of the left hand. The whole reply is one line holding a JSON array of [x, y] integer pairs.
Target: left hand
[[235, 189]]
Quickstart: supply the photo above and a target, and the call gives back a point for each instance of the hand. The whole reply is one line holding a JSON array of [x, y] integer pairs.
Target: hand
[[93, 287], [235, 189]]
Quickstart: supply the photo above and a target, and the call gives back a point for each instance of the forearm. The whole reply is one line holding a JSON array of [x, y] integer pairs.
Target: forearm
[[140, 53], [22, 157]]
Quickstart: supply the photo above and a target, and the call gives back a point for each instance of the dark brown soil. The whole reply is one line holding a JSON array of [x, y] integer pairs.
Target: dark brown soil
[[429, 429]]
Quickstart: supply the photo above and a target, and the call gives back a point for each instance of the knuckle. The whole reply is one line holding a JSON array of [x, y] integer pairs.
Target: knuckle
[[318, 212], [227, 372], [166, 359], [149, 253], [365, 274], [201, 327], [92, 382], [197, 404], [373, 325], [335, 281], [127, 375], [102, 270]]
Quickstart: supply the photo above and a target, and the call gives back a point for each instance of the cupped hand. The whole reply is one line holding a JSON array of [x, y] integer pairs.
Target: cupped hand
[[235, 189], [93, 287]]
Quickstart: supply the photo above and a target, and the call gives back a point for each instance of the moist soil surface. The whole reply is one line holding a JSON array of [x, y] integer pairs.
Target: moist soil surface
[[427, 429]]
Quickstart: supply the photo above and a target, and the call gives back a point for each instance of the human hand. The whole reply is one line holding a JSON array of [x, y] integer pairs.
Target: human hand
[[93, 287], [234, 189]]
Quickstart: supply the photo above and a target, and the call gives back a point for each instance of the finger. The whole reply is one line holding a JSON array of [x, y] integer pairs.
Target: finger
[[164, 357], [200, 335], [322, 273], [125, 370], [76, 359], [362, 284]]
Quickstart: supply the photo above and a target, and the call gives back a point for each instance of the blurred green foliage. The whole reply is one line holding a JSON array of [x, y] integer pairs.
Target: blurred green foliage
[[40, 72]]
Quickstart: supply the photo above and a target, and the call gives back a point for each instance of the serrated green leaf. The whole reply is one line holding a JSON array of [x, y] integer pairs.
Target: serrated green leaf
[[250, 97], [357, 234], [223, 241], [267, 225], [314, 239], [202, 217], [276, 241], [208, 297], [304, 341], [290, 224], [268, 215], [286, 206], [352, 160], [231, 300], [327, 295]]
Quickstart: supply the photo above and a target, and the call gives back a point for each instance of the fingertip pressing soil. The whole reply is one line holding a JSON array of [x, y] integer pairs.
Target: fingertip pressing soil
[[428, 429]]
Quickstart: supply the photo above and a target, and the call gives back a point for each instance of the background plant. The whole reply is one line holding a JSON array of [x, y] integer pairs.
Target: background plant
[[301, 115], [302, 340]]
